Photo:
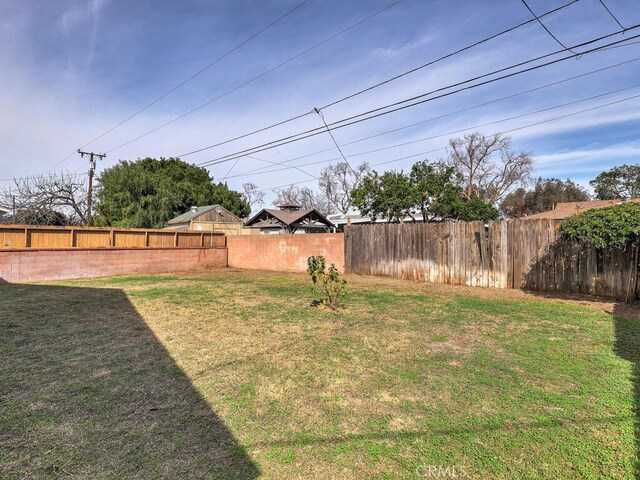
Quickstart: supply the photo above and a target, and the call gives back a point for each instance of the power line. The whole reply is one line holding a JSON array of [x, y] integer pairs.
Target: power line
[[61, 162], [199, 72], [334, 125], [523, 127], [321, 115], [386, 132], [611, 13], [545, 27], [179, 85], [229, 172], [403, 104], [449, 133], [278, 163], [424, 65], [253, 79], [417, 68], [298, 167], [448, 55], [419, 154], [621, 46], [399, 105], [66, 175]]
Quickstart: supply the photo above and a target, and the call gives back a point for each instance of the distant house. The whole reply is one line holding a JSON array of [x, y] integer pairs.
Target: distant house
[[3, 211], [208, 218], [341, 219], [289, 218], [564, 210]]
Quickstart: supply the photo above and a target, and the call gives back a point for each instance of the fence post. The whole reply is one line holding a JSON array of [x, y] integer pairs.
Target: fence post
[[347, 250]]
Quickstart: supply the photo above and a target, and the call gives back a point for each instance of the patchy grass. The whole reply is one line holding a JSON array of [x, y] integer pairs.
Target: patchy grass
[[234, 375]]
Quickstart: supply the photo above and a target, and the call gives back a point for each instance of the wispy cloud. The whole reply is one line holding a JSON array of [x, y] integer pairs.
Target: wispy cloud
[[620, 151], [78, 19], [67, 78]]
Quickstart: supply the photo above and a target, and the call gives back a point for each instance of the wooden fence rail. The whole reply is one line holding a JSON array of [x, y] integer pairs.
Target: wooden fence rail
[[507, 254], [27, 236]]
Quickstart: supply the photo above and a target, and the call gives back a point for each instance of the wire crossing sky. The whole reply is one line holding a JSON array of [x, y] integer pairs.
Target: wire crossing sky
[[74, 69]]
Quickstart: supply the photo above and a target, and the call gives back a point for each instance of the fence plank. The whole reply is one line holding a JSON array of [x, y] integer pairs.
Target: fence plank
[[24, 236], [506, 254]]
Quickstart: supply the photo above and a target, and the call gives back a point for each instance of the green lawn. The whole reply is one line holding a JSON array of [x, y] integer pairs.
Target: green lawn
[[235, 375]]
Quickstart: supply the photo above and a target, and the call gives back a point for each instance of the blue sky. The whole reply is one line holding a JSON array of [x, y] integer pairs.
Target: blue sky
[[72, 69]]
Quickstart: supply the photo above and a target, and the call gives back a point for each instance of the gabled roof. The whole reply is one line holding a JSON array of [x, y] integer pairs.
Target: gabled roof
[[288, 217], [196, 212], [566, 209]]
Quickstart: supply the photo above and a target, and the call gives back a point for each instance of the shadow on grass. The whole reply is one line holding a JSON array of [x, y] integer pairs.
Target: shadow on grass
[[627, 331], [88, 391], [626, 318], [582, 270]]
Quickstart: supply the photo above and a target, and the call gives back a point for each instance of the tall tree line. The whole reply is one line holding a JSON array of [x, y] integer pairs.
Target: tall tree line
[[482, 177]]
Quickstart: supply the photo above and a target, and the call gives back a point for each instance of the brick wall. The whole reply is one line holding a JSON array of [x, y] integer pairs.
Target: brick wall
[[17, 266], [286, 253]]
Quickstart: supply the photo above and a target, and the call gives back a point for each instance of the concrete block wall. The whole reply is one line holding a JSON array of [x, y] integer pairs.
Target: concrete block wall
[[29, 265], [286, 253]]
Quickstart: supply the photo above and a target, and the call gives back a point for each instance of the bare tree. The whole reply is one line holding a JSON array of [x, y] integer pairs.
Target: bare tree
[[252, 194], [305, 197], [48, 199], [488, 165], [290, 194], [338, 181]]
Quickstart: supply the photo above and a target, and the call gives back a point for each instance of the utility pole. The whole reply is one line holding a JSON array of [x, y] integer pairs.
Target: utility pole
[[92, 167]]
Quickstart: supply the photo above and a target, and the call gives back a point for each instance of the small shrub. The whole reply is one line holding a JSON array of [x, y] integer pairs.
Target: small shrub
[[329, 280]]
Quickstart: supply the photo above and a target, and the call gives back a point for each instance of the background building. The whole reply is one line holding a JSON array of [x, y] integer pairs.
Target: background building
[[208, 218], [289, 218]]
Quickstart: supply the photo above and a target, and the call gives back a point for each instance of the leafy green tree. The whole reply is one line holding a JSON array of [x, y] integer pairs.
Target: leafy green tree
[[148, 193], [435, 187], [615, 226], [389, 196], [621, 182], [471, 210], [233, 201], [435, 190], [544, 195]]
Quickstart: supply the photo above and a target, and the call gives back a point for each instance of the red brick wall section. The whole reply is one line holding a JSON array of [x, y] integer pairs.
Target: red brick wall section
[[287, 253], [20, 266]]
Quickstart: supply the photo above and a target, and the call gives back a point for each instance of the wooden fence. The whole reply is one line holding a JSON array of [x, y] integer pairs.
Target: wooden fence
[[507, 254], [23, 236]]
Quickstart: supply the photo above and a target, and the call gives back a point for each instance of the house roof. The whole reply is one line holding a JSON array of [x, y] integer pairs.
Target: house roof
[[196, 212], [342, 219], [566, 209], [177, 227], [288, 217]]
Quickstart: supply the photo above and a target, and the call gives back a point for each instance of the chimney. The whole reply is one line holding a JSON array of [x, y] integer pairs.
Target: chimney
[[194, 209]]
